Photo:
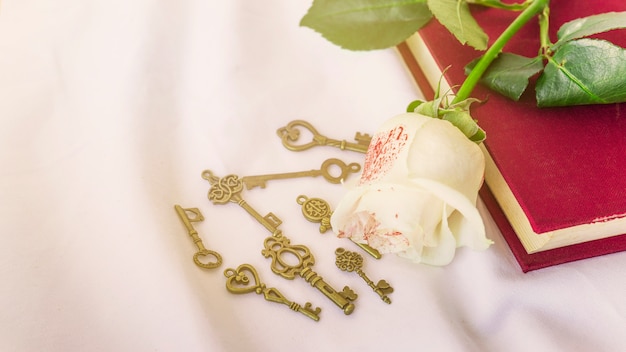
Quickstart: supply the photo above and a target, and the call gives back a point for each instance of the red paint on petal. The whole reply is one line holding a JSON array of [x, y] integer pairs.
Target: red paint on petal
[[382, 153]]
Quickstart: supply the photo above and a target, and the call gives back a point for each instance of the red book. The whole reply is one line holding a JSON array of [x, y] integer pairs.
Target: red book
[[555, 177]]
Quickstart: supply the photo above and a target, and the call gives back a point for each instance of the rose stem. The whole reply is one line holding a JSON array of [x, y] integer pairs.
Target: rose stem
[[472, 79]]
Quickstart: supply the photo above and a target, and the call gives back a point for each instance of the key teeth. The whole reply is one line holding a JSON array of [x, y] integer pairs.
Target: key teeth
[[308, 306], [363, 138], [252, 185], [348, 294], [307, 310], [384, 287]]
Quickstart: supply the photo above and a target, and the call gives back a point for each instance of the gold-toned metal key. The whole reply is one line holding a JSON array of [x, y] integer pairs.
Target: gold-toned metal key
[[213, 259], [317, 210], [290, 134], [351, 261], [325, 171], [245, 279], [288, 260]]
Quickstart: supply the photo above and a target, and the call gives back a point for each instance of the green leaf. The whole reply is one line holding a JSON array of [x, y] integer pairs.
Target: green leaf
[[509, 73], [583, 71], [366, 24], [455, 15], [584, 27]]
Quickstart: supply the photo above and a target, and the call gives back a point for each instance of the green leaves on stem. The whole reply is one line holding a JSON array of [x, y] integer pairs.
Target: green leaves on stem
[[576, 70], [478, 70]]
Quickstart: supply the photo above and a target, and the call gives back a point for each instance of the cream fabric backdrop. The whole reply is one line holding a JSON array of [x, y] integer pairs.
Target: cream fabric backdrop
[[110, 111]]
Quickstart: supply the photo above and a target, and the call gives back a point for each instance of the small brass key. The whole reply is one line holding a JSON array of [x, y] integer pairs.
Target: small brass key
[[214, 259], [351, 261], [288, 260], [245, 279], [324, 170], [291, 133]]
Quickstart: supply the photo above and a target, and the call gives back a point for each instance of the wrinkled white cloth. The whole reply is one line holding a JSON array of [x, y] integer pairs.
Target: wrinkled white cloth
[[109, 113]]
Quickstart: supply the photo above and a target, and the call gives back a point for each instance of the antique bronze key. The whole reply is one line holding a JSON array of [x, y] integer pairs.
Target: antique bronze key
[[214, 258], [316, 210], [291, 133], [288, 260], [325, 171], [351, 261], [245, 279]]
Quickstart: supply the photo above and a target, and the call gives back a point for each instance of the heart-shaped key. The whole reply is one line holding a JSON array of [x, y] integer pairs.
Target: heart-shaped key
[[245, 279], [291, 134], [238, 281]]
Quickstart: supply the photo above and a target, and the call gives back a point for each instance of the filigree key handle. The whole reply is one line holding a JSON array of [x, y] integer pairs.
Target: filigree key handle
[[245, 279], [213, 259], [290, 133], [351, 261], [278, 247], [318, 210]]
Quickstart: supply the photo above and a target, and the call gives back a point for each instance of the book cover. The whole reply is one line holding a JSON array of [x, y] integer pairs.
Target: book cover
[[564, 167]]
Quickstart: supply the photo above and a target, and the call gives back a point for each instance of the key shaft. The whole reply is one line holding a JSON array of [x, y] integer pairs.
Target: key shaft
[[326, 171], [261, 180]]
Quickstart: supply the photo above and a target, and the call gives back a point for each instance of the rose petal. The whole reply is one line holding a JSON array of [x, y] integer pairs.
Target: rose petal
[[457, 201], [400, 209], [443, 253]]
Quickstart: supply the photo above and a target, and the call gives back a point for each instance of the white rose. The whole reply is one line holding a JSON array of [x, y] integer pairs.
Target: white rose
[[417, 193]]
